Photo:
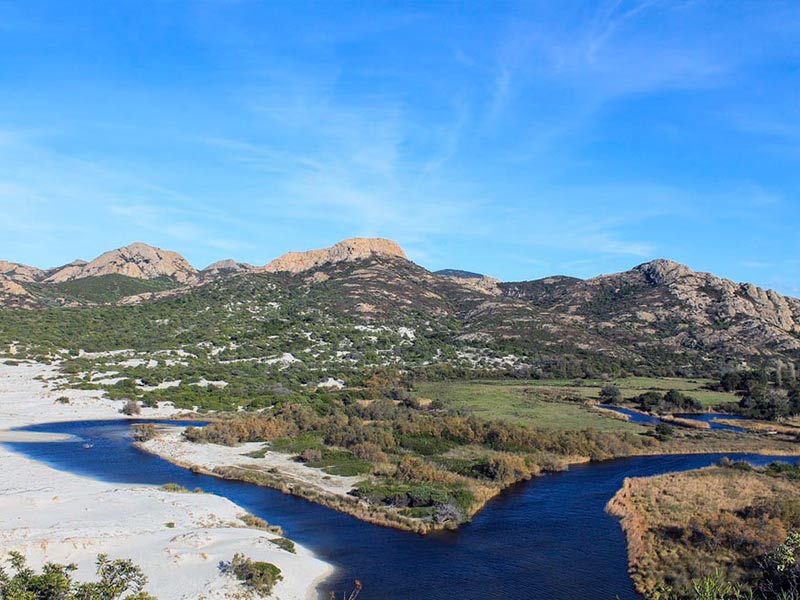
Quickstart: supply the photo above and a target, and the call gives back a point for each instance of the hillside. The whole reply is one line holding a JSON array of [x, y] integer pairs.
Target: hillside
[[362, 304], [136, 260]]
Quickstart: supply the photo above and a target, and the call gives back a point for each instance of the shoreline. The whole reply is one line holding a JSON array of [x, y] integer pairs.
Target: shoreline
[[647, 506], [234, 463], [177, 539], [237, 466]]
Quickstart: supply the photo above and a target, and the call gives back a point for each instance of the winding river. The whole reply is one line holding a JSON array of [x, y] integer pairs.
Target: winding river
[[548, 539]]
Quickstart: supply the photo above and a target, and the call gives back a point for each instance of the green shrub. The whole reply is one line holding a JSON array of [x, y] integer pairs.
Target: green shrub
[[174, 487], [260, 577], [285, 544], [116, 578]]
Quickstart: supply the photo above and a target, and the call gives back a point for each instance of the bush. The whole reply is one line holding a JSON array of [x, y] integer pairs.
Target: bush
[[115, 578], [145, 432], [260, 577], [610, 394], [664, 431], [259, 523], [311, 455], [131, 408], [284, 544], [370, 452], [174, 488]]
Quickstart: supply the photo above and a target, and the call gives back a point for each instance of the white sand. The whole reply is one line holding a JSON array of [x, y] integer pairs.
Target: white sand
[[50, 515], [171, 446]]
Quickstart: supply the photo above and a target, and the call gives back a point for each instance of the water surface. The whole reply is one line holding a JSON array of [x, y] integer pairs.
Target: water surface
[[547, 539]]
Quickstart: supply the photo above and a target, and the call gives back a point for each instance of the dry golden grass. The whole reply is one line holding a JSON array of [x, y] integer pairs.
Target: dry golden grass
[[762, 426], [684, 526], [690, 423], [703, 441]]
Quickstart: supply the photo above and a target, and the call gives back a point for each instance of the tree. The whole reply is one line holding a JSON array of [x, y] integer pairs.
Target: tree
[[609, 394], [781, 571], [117, 577]]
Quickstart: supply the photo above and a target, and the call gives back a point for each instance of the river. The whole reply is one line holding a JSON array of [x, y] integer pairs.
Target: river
[[548, 539]]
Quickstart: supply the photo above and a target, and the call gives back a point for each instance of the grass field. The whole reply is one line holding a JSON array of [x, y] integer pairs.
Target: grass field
[[633, 386], [515, 403], [531, 401]]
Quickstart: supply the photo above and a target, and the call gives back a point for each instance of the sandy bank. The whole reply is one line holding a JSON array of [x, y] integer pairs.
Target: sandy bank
[[171, 446], [177, 539]]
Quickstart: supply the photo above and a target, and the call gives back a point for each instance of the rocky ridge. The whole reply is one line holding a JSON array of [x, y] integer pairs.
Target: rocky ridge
[[659, 308], [345, 251], [136, 260], [17, 272], [226, 267]]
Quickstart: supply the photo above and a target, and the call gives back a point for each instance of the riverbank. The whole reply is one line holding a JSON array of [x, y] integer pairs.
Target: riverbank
[[685, 526], [256, 463], [280, 472], [177, 538]]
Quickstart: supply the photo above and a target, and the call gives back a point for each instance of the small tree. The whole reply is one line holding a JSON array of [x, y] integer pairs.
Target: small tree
[[117, 577], [610, 394], [260, 577], [131, 408], [664, 431]]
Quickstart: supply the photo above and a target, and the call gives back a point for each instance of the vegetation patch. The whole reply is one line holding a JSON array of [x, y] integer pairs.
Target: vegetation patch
[[284, 544], [718, 523], [338, 462], [258, 577], [115, 579]]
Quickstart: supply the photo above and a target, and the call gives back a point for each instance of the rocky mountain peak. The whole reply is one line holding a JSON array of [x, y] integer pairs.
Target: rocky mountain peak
[[18, 272], [345, 251], [137, 260], [226, 267], [662, 271]]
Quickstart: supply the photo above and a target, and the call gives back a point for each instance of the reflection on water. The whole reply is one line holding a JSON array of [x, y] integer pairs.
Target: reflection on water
[[635, 416], [548, 539]]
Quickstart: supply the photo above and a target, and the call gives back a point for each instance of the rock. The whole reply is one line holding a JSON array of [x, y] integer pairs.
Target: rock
[[345, 251], [662, 271], [226, 267], [12, 288], [137, 260], [18, 272]]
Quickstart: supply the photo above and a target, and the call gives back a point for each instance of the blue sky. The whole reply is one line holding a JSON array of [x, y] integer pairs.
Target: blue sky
[[515, 139]]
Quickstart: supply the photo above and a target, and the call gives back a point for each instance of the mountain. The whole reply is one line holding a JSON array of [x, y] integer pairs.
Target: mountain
[[666, 305], [345, 251], [222, 268], [458, 273], [13, 295], [659, 317], [17, 272], [136, 260]]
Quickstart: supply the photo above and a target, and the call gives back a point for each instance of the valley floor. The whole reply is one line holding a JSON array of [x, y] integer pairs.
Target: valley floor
[[178, 539]]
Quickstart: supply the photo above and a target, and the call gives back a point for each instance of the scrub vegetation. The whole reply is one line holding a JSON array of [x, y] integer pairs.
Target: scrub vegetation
[[723, 528], [116, 579]]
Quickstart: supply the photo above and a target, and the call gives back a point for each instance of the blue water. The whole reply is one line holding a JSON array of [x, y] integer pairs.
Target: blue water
[[709, 418], [548, 539], [641, 418], [634, 416]]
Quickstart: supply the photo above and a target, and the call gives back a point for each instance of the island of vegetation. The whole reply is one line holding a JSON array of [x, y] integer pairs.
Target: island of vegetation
[[731, 529]]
